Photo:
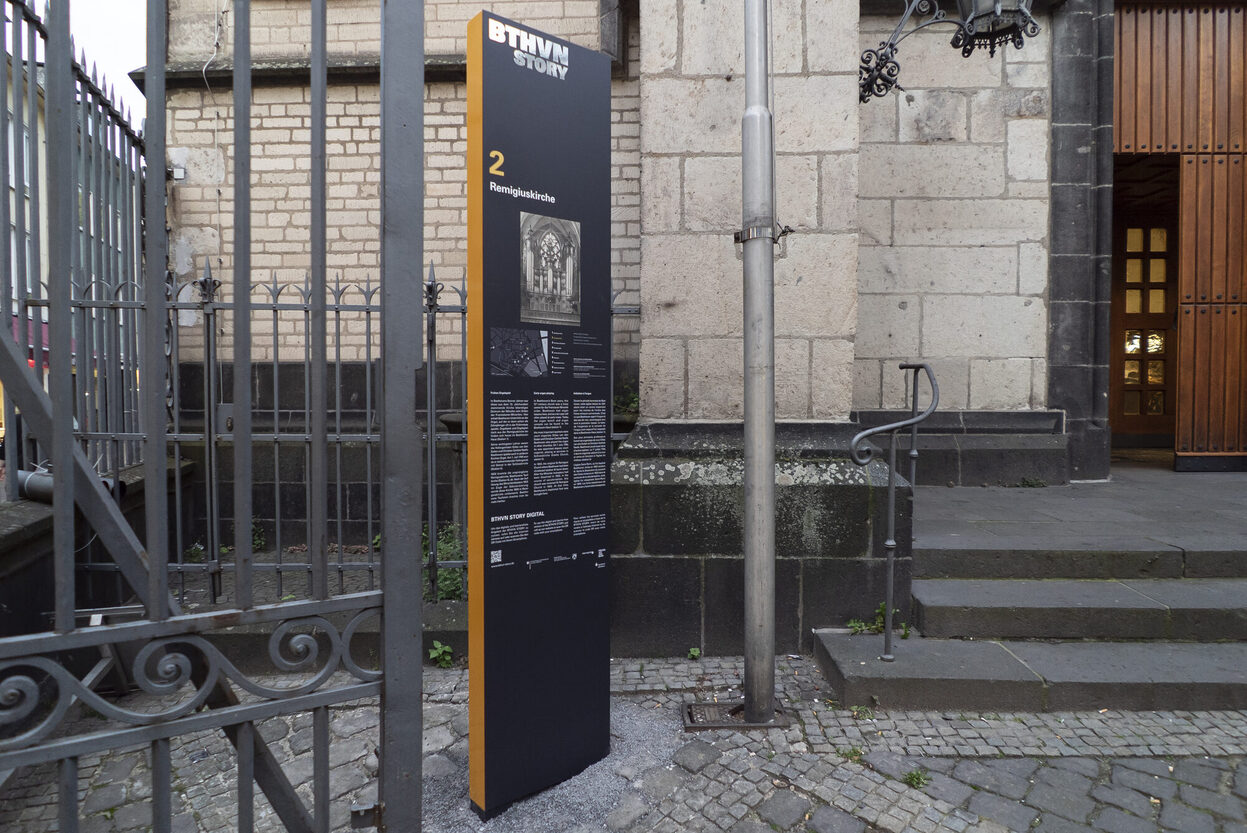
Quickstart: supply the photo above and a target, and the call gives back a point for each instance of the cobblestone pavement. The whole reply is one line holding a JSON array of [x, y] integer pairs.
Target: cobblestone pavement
[[832, 771]]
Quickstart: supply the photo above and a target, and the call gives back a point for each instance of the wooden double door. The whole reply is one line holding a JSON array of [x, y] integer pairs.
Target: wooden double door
[[1179, 359]]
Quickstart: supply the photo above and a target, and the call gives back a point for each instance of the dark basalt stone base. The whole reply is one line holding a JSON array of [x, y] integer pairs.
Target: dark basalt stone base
[[677, 499]]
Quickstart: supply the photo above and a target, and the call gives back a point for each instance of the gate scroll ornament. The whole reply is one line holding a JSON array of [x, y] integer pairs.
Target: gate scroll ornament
[[167, 667]]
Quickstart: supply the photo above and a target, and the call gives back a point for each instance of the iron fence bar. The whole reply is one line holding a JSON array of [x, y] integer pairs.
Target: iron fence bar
[[402, 242], [67, 787], [32, 158], [6, 292], [82, 251], [320, 768], [274, 369], [256, 567], [21, 248], [162, 781], [96, 277], [339, 492], [202, 721], [242, 301], [184, 624], [318, 549], [212, 528], [131, 275], [58, 118], [431, 292], [246, 778], [369, 450], [308, 372], [114, 388], [155, 470]]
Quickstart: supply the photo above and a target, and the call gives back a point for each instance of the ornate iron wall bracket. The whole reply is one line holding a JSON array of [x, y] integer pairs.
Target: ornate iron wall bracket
[[980, 24]]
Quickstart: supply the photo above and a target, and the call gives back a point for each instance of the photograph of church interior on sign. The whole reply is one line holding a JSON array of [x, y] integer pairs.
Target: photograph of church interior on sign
[[550, 267]]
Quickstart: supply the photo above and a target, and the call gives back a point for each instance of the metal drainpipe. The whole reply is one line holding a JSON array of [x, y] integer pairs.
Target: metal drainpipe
[[757, 238]]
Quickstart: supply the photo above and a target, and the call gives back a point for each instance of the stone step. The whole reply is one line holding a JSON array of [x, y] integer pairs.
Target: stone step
[[1007, 676], [967, 556], [1190, 609]]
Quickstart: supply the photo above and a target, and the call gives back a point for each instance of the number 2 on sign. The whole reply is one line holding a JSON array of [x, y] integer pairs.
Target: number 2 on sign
[[496, 168]]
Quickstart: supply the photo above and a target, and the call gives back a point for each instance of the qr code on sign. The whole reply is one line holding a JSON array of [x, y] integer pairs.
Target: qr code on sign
[[495, 556]]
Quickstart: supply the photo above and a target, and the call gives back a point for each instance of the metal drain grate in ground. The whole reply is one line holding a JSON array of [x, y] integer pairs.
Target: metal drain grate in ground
[[726, 715]]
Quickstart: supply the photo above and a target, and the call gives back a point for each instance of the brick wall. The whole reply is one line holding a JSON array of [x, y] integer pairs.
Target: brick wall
[[282, 28], [954, 184], [200, 136]]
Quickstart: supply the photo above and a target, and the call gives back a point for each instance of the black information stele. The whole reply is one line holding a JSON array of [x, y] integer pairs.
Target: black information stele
[[539, 333]]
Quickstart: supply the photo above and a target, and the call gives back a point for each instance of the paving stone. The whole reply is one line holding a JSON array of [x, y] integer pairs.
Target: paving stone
[[831, 820], [439, 766], [1162, 788], [1083, 766], [1064, 779], [1009, 813], [107, 797], [1127, 799], [437, 738], [184, 823], [889, 763], [696, 755], [948, 789], [630, 808], [1018, 767], [784, 809], [1056, 824], [661, 781], [1152, 766], [1113, 820], [994, 780], [1069, 804], [750, 826], [1221, 805], [1178, 816], [1198, 772]]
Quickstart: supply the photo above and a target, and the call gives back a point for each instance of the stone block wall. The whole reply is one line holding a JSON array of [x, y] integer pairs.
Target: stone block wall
[[200, 136], [954, 202], [692, 98]]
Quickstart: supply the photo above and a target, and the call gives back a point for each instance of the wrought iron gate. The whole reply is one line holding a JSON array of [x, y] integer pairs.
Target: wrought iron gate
[[121, 344]]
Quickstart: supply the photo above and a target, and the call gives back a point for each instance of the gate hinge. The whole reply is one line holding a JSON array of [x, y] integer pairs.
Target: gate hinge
[[364, 816]]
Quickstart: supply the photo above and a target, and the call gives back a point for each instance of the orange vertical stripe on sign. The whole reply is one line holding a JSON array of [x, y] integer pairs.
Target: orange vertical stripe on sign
[[476, 423]]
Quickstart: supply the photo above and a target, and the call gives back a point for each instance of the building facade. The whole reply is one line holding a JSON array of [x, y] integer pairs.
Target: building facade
[[969, 220]]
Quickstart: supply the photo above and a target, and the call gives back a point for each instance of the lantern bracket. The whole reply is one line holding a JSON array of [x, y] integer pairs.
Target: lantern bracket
[[980, 24]]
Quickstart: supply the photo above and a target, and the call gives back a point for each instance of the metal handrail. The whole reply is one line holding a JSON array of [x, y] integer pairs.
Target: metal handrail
[[862, 454]]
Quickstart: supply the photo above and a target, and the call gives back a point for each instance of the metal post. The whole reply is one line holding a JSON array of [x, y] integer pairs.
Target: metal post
[[402, 241], [59, 118], [318, 462], [154, 425], [758, 233], [241, 431]]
